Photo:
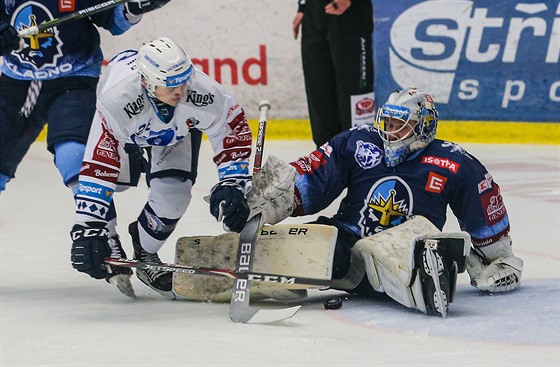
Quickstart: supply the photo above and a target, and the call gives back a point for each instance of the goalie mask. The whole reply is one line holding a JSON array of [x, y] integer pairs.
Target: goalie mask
[[406, 123], [163, 63]]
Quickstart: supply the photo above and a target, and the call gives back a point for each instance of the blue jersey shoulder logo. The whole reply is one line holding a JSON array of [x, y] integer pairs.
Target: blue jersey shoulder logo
[[367, 155]]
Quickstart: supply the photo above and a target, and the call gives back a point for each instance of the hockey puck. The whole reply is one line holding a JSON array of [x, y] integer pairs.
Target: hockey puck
[[333, 303]]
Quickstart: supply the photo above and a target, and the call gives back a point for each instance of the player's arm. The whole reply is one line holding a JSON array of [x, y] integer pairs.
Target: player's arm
[[302, 187], [230, 137], [122, 17], [321, 176], [480, 209], [97, 183]]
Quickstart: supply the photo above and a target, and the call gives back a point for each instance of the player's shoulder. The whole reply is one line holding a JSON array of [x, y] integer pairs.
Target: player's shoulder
[[449, 149], [358, 141], [205, 93], [204, 82], [449, 154], [361, 134]]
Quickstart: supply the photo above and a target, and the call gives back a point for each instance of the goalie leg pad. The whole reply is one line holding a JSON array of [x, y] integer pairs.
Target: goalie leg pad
[[290, 250], [415, 264]]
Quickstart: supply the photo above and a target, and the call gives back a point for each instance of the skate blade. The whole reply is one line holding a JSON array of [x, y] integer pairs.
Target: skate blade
[[123, 284]]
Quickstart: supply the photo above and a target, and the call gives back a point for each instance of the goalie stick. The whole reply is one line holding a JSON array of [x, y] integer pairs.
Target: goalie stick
[[73, 16], [240, 309]]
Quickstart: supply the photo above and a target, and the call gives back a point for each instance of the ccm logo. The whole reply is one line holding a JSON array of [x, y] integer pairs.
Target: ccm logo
[[435, 183]]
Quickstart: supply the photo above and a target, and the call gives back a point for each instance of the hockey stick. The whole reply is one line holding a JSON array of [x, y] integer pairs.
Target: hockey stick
[[350, 282], [264, 107], [73, 16], [240, 309]]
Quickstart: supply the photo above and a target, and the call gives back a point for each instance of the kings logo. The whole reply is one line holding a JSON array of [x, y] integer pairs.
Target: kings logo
[[135, 107]]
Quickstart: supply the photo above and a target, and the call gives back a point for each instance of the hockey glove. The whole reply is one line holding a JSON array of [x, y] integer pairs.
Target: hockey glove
[[90, 246], [9, 39], [139, 7], [227, 201], [494, 268]]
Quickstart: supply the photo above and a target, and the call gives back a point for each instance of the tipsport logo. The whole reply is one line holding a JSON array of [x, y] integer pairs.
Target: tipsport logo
[[41, 50], [456, 48]]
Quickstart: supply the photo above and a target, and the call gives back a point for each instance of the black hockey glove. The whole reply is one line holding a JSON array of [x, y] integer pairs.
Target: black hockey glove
[[235, 209], [139, 7], [9, 38], [90, 246]]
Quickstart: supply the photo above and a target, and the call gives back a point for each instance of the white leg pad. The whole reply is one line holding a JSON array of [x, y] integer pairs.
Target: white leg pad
[[292, 250], [389, 259]]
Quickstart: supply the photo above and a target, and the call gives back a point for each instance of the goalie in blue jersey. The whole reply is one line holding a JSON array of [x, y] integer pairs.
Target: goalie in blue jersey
[[399, 181]]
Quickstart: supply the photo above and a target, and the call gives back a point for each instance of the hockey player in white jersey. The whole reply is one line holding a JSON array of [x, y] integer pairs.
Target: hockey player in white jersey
[[154, 100]]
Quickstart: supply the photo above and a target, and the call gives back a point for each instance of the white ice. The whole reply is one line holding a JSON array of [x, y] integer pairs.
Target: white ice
[[51, 315]]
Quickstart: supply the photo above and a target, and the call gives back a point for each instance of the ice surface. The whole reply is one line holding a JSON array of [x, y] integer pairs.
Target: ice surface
[[51, 315]]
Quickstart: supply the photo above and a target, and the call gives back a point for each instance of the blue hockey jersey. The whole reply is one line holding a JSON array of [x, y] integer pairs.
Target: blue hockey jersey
[[70, 49], [379, 197]]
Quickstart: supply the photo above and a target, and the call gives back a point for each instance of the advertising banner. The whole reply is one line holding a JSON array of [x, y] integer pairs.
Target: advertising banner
[[482, 59]]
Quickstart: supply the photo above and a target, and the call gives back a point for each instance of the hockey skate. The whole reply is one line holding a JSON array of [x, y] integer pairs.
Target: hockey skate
[[116, 275], [158, 280]]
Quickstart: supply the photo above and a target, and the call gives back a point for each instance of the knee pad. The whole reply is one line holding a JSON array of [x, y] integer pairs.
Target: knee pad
[[169, 197], [68, 156], [154, 229]]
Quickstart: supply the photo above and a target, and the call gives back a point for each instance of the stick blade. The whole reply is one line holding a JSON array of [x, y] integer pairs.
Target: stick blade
[[250, 315]]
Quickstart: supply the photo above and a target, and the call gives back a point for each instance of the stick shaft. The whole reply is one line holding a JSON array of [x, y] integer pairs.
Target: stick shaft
[[260, 138], [73, 16]]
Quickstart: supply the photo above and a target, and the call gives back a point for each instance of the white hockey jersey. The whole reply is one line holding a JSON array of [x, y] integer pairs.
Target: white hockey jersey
[[126, 114]]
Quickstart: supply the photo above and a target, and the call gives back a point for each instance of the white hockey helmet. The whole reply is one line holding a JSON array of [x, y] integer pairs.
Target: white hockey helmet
[[418, 112], [163, 63]]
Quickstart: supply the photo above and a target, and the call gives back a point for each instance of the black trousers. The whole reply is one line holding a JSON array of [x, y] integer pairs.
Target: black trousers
[[337, 57]]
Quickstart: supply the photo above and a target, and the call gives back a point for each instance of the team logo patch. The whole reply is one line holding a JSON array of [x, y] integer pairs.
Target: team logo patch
[[367, 155], [493, 205], [388, 204], [435, 183], [42, 49]]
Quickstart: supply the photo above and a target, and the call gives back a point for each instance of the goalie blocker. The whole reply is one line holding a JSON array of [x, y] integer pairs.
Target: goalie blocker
[[414, 263]]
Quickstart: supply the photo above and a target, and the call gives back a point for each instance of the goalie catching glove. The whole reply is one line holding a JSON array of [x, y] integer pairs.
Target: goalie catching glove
[[272, 193], [494, 268]]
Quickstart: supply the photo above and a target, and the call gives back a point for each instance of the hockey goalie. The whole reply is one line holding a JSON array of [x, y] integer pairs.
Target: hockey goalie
[[398, 181]]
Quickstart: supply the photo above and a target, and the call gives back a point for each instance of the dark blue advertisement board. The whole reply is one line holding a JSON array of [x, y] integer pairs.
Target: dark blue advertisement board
[[492, 60]]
